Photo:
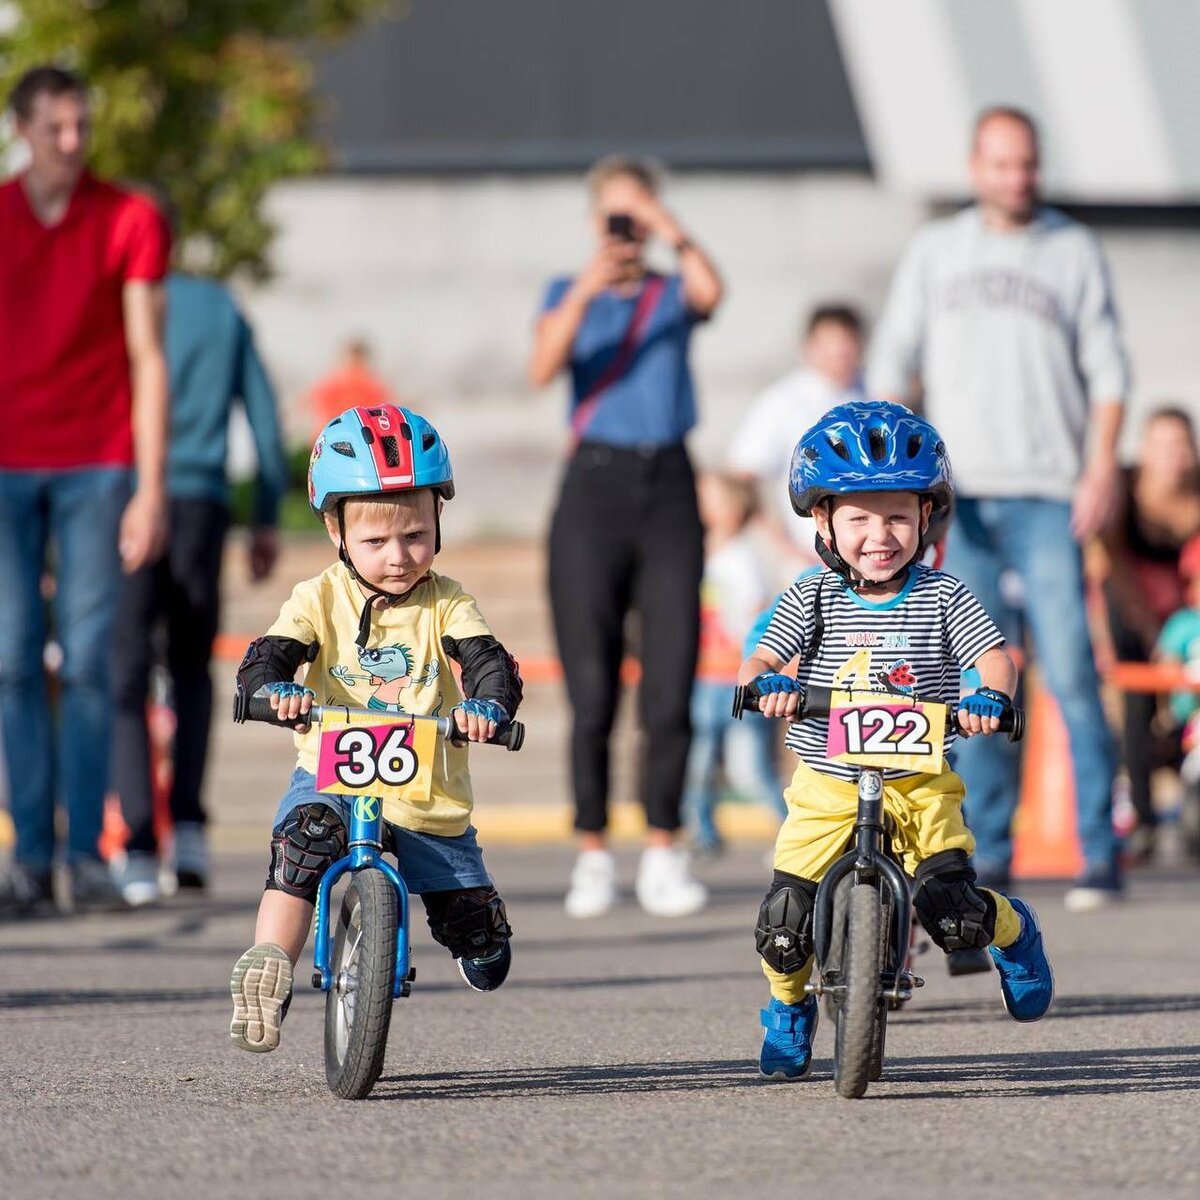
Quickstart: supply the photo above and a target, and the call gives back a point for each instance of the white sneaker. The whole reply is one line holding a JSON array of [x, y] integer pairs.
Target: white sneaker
[[593, 889], [665, 886]]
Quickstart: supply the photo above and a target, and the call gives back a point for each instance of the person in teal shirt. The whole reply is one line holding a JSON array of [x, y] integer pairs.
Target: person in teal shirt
[[213, 366]]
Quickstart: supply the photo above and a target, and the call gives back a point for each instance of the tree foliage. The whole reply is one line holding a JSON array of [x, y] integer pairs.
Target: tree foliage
[[210, 101]]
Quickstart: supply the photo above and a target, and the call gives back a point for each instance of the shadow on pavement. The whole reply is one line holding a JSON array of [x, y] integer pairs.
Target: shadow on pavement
[[97, 996], [1046, 1073], [588, 1080], [1065, 1008]]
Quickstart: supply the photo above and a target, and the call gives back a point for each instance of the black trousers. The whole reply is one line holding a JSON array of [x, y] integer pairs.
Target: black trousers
[[169, 612], [626, 536]]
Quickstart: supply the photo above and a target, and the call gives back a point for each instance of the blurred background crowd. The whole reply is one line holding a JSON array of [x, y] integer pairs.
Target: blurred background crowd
[[376, 201]]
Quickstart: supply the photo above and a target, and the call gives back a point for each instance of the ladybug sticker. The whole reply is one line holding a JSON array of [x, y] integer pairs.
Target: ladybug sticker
[[898, 678]]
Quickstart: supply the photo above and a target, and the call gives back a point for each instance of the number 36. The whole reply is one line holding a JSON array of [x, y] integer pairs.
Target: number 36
[[392, 763]]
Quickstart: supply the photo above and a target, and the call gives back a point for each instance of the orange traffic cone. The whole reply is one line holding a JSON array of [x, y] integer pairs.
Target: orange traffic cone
[[1045, 838]]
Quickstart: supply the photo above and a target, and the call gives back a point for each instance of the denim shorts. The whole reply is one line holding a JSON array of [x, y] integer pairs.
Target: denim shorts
[[428, 863]]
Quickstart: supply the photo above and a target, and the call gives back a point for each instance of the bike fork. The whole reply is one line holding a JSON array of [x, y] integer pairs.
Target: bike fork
[[871, 865], [365, 852]]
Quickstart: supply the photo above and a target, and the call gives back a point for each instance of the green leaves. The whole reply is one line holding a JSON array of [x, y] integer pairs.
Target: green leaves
[[209, 101]]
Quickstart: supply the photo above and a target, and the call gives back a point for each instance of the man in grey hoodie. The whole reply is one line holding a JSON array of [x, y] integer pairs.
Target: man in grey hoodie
[[1004, 312]]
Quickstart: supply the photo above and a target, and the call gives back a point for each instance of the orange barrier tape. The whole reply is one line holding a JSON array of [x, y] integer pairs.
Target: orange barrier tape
[[1128, 676]]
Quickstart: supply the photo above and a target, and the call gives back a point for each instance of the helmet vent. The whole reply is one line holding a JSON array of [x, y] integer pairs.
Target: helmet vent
[[343, 448], [391, 450], [406, 431], [374, 412], [428, 440], [839, 448], [914, 445], [877, 444]]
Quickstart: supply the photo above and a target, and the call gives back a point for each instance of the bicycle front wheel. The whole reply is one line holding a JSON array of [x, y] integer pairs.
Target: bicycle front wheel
[[358, 1007], [855, 1040]]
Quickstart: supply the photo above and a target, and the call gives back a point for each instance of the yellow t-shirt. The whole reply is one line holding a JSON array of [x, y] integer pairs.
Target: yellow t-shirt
[[403, 669]]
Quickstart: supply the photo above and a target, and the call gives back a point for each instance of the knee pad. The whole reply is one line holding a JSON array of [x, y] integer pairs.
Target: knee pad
[[469, 922], [956, 914], [784, 933], [309, 839]]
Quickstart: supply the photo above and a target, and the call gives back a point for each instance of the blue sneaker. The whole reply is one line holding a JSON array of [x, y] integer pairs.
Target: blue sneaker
[[488, 973], [1026, 980], [787, 1045]]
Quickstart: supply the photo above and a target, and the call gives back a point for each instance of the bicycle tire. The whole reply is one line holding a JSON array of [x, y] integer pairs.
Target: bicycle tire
[[879, 1037], [858, 1012], [832, 968], [358, 1007]]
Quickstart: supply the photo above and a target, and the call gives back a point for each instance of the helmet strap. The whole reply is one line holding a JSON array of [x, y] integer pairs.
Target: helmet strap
[[832, 558]]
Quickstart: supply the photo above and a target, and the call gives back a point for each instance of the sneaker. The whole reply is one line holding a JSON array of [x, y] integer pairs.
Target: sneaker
[[136, 876], [486, 974], [93, 888], [25, 893], [190, 855], [1026, 980], [1098, 887], [665, 886], [593, 889], [787, 1045], [968, 962], [261, 987]]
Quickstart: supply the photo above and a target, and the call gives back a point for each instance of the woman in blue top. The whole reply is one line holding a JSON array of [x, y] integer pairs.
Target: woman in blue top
[[626, 533]]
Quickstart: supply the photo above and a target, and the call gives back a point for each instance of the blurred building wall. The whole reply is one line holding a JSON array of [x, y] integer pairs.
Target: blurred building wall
[[444, 275]]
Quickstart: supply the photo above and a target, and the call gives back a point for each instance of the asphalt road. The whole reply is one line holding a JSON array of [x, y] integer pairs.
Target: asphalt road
[[618, 1060]]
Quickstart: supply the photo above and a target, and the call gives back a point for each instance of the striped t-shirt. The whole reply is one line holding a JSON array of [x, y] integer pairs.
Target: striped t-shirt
[[916, 642]]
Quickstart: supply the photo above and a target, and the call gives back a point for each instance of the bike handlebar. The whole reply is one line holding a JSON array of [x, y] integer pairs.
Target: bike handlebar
[[815, 702], [511, 734]]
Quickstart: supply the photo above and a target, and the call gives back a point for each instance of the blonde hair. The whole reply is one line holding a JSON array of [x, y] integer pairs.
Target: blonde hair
[[379, 506], [646, 171]]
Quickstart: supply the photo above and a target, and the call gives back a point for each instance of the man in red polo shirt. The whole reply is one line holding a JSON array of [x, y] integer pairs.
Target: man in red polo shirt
[[83, 407]]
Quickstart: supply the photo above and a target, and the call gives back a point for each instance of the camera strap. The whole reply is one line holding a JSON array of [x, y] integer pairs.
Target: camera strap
[[635, 333]]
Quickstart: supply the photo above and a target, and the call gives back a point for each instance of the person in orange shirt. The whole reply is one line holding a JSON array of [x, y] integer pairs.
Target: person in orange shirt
[[349, 385]]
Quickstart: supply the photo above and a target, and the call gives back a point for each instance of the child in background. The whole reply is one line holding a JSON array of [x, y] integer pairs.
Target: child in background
[[1179, 642], [733, 592]]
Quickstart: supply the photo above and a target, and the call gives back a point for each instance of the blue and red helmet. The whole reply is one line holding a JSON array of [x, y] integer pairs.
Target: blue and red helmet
[[376, 451], [869, 446]]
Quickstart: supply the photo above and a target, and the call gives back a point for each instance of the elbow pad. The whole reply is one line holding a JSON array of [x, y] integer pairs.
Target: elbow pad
[[489, 672], [268, 660]]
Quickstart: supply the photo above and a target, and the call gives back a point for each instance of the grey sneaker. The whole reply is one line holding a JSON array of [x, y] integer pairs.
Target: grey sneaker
[[136, 877], [25, 893], [191, 855], [93, 888], [261, 987]]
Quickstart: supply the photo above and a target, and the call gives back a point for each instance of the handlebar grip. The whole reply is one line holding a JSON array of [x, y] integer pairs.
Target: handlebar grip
[[816, 703], [258, 708], [511, 736]]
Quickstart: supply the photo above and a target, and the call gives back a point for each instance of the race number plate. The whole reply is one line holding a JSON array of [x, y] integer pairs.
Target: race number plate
[[392, 760], [874, 729]]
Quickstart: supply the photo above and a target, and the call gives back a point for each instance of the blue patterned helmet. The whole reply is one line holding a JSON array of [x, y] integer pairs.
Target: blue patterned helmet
[[869, 446], [374, 451]]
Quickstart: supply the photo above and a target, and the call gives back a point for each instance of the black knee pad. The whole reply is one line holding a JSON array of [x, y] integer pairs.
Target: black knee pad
[[784, 933], [956, 914], [303, 846], [469, 922]]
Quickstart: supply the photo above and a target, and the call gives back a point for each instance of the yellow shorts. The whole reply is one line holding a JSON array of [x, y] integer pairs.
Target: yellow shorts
[[926, 811]]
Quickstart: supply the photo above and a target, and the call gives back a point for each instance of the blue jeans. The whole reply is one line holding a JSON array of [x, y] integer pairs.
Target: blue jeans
[[1033, 538], [747, 750], [80, 513]]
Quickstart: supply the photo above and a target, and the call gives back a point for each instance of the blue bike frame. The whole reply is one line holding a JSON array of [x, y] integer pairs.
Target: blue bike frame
[[365, 853]]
